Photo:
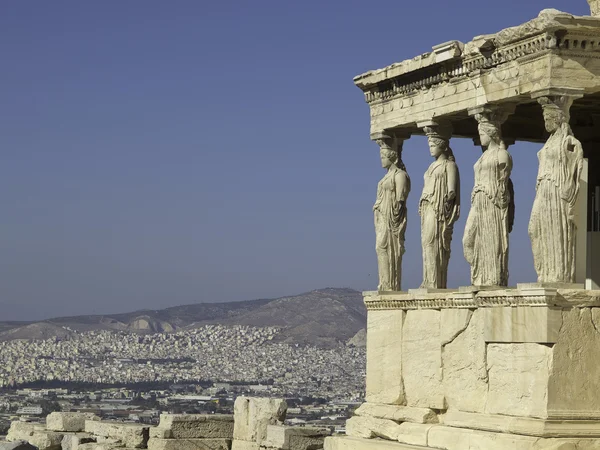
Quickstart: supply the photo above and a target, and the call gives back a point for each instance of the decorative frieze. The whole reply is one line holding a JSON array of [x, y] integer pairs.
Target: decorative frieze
[[523, 295]]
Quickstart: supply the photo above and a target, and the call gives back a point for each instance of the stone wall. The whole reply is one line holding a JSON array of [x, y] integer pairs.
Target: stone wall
[[506, 369], [513, 361]]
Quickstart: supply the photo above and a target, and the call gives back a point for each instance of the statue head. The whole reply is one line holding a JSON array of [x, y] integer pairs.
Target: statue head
[[556, 111], [594, 7], [490, 127], [438, 138], [389, 156], [437, 146]]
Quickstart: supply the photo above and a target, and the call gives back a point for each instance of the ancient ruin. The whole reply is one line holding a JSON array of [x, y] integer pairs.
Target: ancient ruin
[[489, 366], [257, 424]]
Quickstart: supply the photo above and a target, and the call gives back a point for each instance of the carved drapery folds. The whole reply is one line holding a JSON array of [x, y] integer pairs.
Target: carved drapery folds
[[439, 206], [390, 212], [552, 227], [485, 241]]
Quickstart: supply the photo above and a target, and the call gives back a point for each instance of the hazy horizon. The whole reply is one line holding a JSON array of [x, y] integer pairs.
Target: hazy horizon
[[113, 313], [160, 154]]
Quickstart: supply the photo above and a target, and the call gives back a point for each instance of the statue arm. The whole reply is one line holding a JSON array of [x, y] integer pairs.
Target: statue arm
[[451, 200], [505, 162], [575, 149], [402, 186], [505, 169], [402, 183], [452, 178]]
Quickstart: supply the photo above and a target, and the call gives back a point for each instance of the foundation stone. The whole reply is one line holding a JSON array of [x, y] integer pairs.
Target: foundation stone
[[67, 421], [194, 426], [384, 361], [254, 415]]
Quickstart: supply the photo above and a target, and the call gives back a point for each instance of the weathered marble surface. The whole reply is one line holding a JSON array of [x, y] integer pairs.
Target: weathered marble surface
[[397, 413], [254, 415], [189, 444], [491, 69], [19, 445], [67, 421], [552, 226], [510, 360], [281, 437], [390, 214], [439, 206], [131, 435], [518, 379], [422, 359], [448, 438], [194, 426], [384, 331], [464, 364], [485, 241], [522, 325]]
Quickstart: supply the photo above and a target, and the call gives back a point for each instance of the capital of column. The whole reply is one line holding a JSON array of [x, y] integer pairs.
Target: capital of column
[[492, 113], [390, 139], [557, 98], [490, 119], [434, 128]]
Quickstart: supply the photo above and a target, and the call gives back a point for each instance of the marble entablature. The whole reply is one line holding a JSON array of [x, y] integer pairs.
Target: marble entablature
[[554, 51]]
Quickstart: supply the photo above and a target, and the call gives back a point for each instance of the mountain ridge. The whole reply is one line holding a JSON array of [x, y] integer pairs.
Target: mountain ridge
[[322, 317]]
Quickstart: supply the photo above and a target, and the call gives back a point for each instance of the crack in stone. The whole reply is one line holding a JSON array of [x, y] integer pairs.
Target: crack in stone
[[427, 436], [487, 376], [459, 332], [592, 319]]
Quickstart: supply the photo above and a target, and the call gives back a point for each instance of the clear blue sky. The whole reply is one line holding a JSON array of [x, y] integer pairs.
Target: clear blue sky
[[157, 153]]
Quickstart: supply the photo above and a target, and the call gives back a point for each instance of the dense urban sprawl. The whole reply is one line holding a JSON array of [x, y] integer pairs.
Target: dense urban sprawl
[[210, 353]]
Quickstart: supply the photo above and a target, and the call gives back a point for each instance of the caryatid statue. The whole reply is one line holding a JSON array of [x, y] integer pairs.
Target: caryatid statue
[[439, 206], [552, 227], [485, 241], [390, 213]]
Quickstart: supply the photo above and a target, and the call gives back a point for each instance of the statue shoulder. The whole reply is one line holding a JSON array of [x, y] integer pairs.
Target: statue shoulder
[[504, 157], [401, 177]]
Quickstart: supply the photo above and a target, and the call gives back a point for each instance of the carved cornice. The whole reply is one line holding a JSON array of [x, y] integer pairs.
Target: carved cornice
[[570, 44], [417, 80]]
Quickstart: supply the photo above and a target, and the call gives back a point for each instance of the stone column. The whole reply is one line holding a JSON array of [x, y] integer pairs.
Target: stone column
[[384, 328], [439, 206], [390, 213], [557, 221], [485, 241]]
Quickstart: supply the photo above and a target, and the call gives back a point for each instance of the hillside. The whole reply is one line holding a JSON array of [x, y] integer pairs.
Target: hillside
[[323, 317]]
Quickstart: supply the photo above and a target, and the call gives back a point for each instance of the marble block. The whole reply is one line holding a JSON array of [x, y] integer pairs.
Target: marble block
[[525, 324], [194, 426], [422, 359], [254, 415], [384, 357]]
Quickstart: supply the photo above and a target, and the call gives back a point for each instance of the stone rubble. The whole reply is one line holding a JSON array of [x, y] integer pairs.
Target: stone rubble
[[256, 425], [17, 445]]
